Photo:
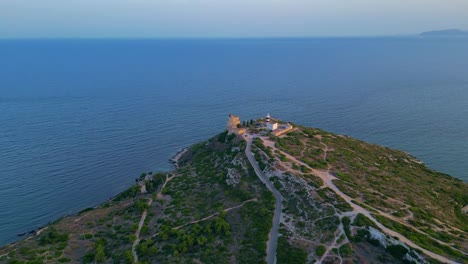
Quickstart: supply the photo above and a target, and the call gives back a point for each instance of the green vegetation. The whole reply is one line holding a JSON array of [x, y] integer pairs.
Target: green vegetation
[[381, 179], [258, 216], [203, 189], [214, 209], [141, 205], [422, 240], [288, 254], [53, 237], [380, 173], [313, 180], [345, 250], [328, 195], [320, 250], [398, 251], [363, 221], [132, 192], [99, 254]]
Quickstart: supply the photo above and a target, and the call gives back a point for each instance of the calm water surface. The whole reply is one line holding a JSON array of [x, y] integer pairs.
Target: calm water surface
[[80, 119]]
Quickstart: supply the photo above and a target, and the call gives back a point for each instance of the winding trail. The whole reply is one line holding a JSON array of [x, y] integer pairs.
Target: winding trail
[[142, 221], [273, 236], [334, 244], [328, 182], [137, 233], [168, 179], [215, 214]]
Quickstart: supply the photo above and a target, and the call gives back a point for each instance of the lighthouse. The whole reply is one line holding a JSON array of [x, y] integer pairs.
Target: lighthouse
[[270, 125]]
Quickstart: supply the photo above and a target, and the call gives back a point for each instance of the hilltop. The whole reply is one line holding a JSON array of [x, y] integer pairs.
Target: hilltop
[[304, 196]]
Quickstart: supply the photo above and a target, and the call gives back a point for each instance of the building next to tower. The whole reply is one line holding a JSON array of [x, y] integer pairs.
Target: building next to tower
[[270, 125], [277, 129]]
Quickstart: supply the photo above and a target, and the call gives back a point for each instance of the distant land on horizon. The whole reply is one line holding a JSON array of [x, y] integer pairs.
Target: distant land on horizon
[[445, 33]]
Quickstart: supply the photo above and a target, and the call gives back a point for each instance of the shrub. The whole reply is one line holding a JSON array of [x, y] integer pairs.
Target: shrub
[[346, 250], [362, 220], [131, 192], [397, 251], [320, 250], [289, 254], [128, 257], [88, 258], [52, 237]]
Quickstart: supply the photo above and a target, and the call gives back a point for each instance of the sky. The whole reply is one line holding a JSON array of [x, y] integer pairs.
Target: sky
[[226, 18]]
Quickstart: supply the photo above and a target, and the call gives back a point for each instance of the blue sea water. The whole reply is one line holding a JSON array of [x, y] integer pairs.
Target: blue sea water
[[80, 119]]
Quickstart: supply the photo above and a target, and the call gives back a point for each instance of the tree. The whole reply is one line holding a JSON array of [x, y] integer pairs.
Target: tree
[[52, 237], [222, 226], [144, 229], [153, 250], [201, 240], [141, 205], [100, 256], [320, 250], [208, 229], [88, 258], [149, 186], [128, 257]]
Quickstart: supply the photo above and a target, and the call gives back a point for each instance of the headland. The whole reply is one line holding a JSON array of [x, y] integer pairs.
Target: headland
[[268, 191]]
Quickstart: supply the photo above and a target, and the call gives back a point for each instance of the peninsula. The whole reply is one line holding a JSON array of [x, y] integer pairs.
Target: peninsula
[[268, 191]]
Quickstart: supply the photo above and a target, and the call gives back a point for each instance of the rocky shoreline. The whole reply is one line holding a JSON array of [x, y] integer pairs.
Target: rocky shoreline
[[175, 159]]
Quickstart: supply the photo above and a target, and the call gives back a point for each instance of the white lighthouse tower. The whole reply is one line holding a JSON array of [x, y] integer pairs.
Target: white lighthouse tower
[[270, 125]]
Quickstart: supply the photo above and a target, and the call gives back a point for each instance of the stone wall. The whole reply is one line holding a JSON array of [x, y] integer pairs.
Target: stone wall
[[280, 132]]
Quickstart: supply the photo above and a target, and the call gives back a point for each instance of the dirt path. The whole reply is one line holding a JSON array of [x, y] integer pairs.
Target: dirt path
[[335, 244], [168, 179], [215, 214], [137, 233], [142, 221], [273, 236], [328, 182], [325, 153], [304, 149], [396, 219]]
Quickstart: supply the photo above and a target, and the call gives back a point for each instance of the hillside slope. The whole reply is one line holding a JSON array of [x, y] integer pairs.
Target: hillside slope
[[399, 191]]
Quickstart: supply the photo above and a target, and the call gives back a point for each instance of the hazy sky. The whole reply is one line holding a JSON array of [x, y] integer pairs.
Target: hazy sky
[[226, 18]]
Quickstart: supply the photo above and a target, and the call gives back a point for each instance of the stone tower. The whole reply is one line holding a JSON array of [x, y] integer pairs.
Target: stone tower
[[232, 123]]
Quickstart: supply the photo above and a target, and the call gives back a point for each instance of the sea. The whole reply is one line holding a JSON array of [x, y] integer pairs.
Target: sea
[[81, 119]]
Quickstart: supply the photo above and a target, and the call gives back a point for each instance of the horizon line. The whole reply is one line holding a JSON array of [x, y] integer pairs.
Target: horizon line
[[208, 37]]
